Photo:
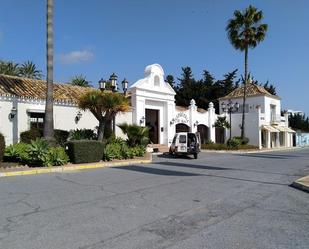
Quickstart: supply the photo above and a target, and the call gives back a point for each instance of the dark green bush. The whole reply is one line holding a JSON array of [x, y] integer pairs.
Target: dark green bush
[[61, 136], [225, 147], [28, 136], [2, 147], [85, 151], [233, 143], [242, 141], [122, 151], [82, 134]]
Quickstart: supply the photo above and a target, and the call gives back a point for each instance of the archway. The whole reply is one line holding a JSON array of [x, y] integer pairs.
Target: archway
[[182, 128], [204, 133]]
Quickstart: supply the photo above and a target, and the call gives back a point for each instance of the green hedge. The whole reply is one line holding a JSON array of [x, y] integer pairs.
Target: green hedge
[[31, 135], [61, 136], [226, 147], [85, 151], [2, 147]]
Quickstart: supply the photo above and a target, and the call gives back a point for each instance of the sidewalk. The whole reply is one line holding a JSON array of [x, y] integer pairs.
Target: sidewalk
[[73, 167], [302, 183]]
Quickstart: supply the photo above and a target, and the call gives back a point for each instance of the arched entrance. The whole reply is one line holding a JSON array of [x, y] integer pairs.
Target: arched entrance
[[204, 133], [182, 128]]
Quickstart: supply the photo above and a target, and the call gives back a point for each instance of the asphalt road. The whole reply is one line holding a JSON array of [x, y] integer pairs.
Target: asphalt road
[[217, 201]]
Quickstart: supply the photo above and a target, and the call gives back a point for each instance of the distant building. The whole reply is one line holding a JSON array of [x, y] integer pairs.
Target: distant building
[[292, 112], [265, 127]]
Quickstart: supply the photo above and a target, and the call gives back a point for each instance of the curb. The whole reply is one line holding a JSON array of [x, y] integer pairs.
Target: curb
[[253, 151], [61, 169], [302, 184]]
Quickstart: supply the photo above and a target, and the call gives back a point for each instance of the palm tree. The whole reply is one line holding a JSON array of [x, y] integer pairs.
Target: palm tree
[[104, 106], [9, 68], [137, 135], [246, 31], [49, 112], [79, 80], [29, 70]]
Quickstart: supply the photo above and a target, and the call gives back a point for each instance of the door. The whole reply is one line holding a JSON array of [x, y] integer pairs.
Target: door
[[182, 128], [152, 122]]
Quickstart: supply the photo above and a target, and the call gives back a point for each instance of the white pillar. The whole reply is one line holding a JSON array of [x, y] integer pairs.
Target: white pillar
[[277, 139], [192, 118], [211, 122], [268, 140]]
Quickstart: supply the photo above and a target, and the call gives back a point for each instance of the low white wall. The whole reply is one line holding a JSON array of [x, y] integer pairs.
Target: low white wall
[[64, 117]]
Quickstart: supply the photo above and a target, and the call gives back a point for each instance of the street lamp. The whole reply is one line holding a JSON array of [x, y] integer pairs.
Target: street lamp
[[102, 84], [111, 84], [230, 108], [125, 84]]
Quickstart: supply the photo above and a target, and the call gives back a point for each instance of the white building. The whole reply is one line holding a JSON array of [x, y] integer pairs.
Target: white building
[[265, 126], [22, 104]]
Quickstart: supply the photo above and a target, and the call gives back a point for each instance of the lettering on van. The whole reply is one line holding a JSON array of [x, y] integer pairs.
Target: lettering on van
[[181, 118]]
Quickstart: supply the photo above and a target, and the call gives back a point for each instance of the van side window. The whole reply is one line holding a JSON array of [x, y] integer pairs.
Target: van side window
[[182, 139], [174, 140]]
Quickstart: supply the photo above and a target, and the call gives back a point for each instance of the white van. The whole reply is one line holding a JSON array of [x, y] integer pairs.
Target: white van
[[185, 143]]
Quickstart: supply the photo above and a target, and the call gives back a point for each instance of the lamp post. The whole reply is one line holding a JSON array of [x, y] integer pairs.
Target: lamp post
[[112, 85], [230, 108]]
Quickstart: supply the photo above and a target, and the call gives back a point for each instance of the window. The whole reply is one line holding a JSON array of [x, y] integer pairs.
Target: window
[[182, 139], [156, 80], [36, 120]]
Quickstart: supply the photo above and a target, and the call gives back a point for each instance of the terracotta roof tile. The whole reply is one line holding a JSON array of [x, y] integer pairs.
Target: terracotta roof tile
[[31, 88], [252, 90]]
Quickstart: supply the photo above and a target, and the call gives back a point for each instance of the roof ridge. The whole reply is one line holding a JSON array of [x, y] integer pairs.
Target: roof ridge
[[42, 81]]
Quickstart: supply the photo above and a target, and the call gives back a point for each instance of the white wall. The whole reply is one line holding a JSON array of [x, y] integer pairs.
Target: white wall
[[64, 117]]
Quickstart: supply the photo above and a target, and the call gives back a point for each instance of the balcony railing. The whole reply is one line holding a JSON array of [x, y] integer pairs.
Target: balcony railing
[[275, 119]]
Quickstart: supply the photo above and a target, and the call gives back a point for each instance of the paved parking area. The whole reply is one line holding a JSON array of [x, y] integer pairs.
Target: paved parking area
[[216, 201]]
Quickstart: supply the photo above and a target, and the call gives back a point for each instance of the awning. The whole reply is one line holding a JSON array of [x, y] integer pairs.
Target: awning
[[270, 128], [290, 130], [281, 128], [284, 129]]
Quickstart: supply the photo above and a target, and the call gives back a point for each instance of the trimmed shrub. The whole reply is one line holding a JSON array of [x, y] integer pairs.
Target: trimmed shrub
[[31, 135], [61, 136], [85, 151], [2, 147], [82, 134], [225, 147]]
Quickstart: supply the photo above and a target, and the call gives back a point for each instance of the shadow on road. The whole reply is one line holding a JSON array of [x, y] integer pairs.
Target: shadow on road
[[268, 156], [195, 166], [155, 171]]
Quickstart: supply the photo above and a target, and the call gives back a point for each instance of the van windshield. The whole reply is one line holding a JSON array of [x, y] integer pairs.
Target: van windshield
[[182, 139]]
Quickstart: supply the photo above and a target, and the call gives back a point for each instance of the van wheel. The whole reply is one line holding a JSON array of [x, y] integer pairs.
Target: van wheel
[[195, 156]]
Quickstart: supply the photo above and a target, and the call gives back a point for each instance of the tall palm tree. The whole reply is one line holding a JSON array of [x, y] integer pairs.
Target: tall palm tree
[[246, 31], [80, 80], [29, 70], [104, 106], [49, 110]]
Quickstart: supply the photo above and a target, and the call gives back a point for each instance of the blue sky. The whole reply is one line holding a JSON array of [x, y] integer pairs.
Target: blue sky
[[98, 37]]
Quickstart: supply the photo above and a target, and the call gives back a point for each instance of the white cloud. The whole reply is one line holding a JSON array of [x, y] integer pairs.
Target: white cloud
[[76, 56]]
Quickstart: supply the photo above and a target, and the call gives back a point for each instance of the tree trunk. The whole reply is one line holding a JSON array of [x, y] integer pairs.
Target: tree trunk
[[101, 129], [243, 122], [49, 115]]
